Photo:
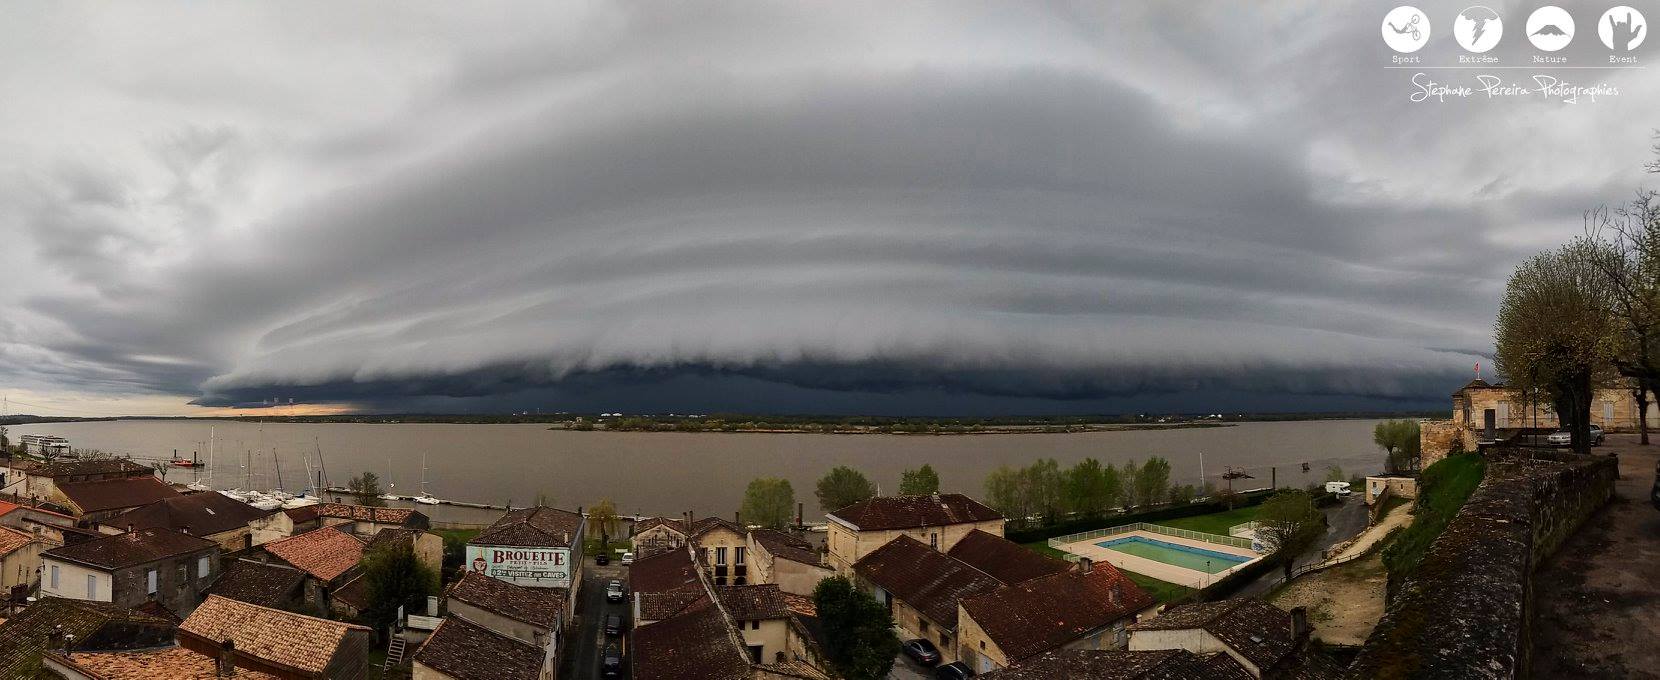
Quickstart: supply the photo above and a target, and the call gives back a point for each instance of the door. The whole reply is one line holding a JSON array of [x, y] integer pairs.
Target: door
[[1488, 418], [1504, 414]]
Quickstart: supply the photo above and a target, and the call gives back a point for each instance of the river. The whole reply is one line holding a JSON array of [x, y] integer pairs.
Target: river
[[671, 472]]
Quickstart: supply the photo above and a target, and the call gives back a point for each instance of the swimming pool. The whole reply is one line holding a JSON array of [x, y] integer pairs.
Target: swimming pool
[[1187, 557]]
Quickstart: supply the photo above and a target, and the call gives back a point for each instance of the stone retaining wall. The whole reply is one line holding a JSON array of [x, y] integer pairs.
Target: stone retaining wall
[[1466, 612]]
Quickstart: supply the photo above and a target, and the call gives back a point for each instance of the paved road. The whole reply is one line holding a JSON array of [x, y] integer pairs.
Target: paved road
[[587, 633], [1598, 598], [1343, 522]]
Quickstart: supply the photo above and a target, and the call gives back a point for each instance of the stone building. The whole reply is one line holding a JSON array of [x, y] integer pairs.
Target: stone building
[[1481, 410], [147, 565], [328, 556], [284, 523], [937, 521], [791, 563], [532, 615], [1260, 637], [462, 650], [19, 559], [82, 626]]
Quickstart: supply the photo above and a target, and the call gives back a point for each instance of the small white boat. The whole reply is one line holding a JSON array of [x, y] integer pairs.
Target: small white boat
[[238, 494], [389, 496], [299, 502], [427, 499], [198, 486], [263, 501]]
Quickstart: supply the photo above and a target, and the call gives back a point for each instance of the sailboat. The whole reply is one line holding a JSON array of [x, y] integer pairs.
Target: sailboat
[[389, 496], [199, 485], [425, 498]]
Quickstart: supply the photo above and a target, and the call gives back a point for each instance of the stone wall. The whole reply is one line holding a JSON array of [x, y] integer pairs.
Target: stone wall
[[1466, 612], [1437, 437]]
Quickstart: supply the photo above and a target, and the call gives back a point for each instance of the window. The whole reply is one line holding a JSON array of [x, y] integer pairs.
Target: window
[[150, 581], [184, 573], [755, 625], [91, 587], [202, 567], [738, 556], [54, 577], [923, 623], [945, 640], [934, 540], [720, 557]]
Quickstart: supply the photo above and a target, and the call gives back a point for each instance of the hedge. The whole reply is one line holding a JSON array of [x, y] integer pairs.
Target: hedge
[[1167, 512]]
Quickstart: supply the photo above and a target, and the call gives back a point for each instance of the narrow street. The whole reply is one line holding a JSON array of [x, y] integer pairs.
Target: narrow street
[[1343, 522], [587, 639]]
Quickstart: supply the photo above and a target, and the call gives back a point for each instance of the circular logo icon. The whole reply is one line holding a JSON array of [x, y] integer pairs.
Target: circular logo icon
[[1550, 28], [479, 564], [1405, 29], [1477, 28], [1622, 29]]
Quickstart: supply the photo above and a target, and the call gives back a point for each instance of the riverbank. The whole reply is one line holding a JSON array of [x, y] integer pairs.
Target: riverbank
[[901, 430]]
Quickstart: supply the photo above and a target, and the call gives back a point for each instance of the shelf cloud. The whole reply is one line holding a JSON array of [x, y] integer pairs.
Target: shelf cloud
[[912, 208]]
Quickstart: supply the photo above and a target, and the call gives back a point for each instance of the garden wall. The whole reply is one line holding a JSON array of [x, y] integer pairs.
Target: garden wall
[[1466, 611]]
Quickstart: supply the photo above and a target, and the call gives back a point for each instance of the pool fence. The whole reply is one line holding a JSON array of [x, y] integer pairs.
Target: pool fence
[[1060, 542]]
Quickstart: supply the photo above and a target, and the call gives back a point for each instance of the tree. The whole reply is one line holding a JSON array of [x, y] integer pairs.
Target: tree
[[1042, 482], [769, 502], [1086, 488], [1005, 493], [1334, 474], [843, 486], [1127, 483], [1288, 524], [920, 481], [1112, 486], [1626, 251], [1152, 482], [366, 487], [604, 517], [1553, 334], [394, 576], [1399, 440], [1183, 494], [858, 631]]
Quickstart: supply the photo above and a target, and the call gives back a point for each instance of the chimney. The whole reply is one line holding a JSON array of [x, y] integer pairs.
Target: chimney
[[1085, 565], [225, 665], [54, 639], [129, 527], [798, 520], [185, 529], [736, 519], [1299, 624]]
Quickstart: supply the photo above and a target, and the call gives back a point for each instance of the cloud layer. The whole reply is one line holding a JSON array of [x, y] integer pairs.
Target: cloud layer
[[1046, 207]]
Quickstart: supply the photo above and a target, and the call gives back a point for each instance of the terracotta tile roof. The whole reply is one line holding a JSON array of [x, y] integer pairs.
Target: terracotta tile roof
[[304, 513], [168, 662], [364, 513], [538, 527], [650, 523], [116, 494], [665, 571], [536, 606], [930, 581], [325, 553], [905, 512], [354, 592], [464, 650], [801, 604], [202, 513], [158, 610], [1044, 613], [1004, 559], [23, 637], [708, 524], [285, 639], [1249, 626], [786, 547], [130, 549], [101, 466], [668, 604], [696, 645], [754, 601], [267, 585], [12, 539], [389, 536], [1102, 664]]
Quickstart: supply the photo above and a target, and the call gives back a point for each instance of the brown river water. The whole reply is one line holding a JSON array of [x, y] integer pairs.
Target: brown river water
[[671, 472]]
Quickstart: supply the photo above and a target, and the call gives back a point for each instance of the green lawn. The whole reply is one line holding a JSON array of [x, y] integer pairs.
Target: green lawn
[[1162, 591], [1214, 523]]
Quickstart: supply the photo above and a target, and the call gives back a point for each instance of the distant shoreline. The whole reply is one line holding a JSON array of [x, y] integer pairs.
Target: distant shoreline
[[938, 432]]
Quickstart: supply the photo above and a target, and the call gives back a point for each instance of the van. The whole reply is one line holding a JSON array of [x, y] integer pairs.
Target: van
[[1339, 488]]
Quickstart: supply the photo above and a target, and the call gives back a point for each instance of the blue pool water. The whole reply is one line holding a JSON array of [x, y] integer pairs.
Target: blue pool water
[[1185, 556]]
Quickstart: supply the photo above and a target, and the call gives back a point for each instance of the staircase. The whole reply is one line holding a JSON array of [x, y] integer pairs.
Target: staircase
[[394, 654]]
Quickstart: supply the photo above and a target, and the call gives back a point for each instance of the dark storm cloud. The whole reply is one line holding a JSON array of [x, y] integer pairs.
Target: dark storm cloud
[[1016, 204]]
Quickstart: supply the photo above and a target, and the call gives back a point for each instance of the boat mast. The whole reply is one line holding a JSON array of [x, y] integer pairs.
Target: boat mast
[[278, 463]]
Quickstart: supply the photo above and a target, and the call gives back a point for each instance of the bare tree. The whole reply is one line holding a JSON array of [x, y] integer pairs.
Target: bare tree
[[1624, 246]]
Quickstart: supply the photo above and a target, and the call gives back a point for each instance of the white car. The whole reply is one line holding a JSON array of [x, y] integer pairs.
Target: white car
[[628, 558], [1566, 438]]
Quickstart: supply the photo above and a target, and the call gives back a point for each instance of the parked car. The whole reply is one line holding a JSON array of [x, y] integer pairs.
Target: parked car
[[610, 662], [614, 591], [921, 651], [956, 670], [602, 559], [628, 558], [613, 624], [1566, 438]]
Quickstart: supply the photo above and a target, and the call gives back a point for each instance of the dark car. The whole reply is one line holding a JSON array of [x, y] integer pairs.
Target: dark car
[[610, 662], [956, 670], [921, 651], [602, 559], [614, 591], [613, 624]]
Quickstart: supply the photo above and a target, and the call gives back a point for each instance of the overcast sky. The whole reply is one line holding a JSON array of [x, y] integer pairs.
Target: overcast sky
[[793, 206]]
